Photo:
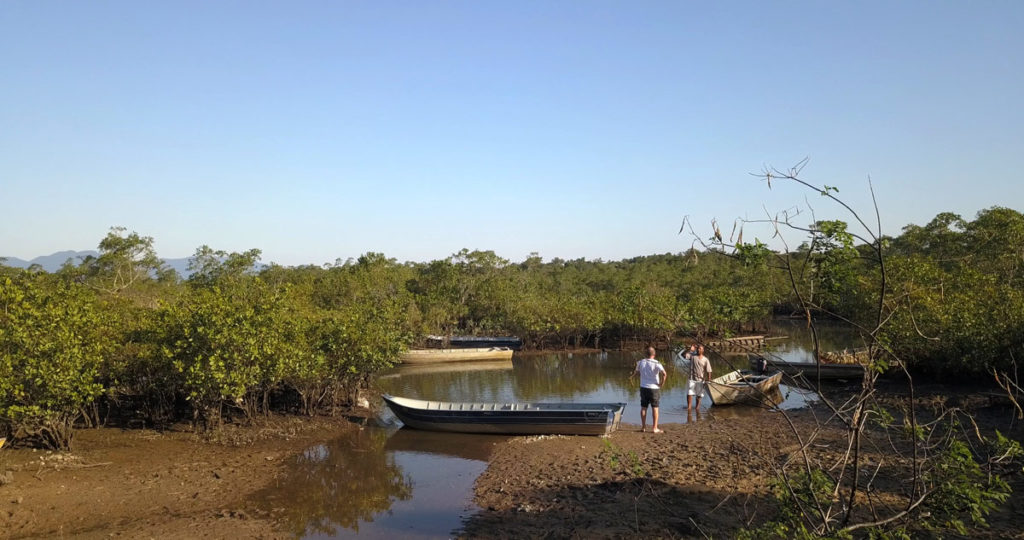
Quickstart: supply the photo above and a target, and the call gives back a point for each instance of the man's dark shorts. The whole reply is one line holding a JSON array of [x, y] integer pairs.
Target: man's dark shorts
[[649, 396]]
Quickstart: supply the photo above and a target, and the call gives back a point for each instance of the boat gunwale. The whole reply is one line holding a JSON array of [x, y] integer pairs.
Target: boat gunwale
[[548, 418], [429, 405], [741, 391]]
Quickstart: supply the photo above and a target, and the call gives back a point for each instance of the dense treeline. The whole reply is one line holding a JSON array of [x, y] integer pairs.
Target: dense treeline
[[121, 336], [954, 295]]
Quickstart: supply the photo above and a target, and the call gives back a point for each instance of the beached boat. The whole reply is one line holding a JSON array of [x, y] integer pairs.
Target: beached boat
[[508, 418], [742, 387], [811, 371], [430, 356]]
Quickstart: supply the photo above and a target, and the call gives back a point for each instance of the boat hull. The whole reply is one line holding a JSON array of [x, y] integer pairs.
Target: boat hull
[[508, 418], [743, 387], [814, 371], [435, 356], [461, 342]]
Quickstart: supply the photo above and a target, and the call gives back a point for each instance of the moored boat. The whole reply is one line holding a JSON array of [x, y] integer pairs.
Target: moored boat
[[742, 387], [430, 356], [463, 342], [812, 371], [508, 418]]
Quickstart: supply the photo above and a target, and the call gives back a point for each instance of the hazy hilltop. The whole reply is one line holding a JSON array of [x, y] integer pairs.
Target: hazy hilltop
[[53, 262]]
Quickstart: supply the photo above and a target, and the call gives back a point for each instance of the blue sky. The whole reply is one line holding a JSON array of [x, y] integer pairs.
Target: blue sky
[[323, 130]]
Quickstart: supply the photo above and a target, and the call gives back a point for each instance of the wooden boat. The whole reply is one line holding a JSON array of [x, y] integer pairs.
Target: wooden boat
[[508, 418], [811, 371], [742, 387], [430, 356]]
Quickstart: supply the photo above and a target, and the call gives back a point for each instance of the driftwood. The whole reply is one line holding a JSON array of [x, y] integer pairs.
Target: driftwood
[[861, 355]]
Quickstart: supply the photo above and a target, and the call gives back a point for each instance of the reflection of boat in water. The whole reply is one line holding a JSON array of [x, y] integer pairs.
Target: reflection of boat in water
[[508, 418], [448, 367], [431, 356], [771, 398], [460, 445], [742, 387]]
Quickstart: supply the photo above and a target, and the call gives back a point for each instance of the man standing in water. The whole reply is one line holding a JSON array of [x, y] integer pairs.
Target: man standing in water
[[652, 377], [700, 374]]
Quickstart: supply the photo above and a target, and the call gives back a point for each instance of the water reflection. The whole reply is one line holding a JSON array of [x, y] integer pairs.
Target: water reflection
[[459, 445], [588, 377], [387, 482], [337, 486], [447, 367], [799, 345]]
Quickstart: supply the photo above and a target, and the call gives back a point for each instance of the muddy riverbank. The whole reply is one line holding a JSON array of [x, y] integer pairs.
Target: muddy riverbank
[[149, 484], [707, 478], [702, 478]]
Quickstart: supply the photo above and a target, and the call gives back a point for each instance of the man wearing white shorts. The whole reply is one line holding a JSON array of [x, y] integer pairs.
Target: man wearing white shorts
[[700, 374]]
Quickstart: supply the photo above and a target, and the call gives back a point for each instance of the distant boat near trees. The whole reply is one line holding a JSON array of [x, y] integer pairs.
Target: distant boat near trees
[[463, 348], [474, 342], [433, 356]]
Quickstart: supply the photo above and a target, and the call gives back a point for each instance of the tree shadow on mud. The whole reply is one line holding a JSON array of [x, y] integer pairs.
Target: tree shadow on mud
[[635, 508]]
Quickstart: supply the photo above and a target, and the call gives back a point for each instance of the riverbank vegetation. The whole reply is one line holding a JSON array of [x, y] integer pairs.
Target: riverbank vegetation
[[119, 337], [951, 475]]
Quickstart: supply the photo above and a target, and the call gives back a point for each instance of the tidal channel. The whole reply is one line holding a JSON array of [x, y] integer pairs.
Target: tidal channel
[[395, 482]]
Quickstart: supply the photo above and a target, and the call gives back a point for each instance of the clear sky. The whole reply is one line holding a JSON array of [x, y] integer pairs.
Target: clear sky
[[322, 130]]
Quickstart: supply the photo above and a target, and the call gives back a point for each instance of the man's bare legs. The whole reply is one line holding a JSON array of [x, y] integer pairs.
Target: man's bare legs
[[643, 420]]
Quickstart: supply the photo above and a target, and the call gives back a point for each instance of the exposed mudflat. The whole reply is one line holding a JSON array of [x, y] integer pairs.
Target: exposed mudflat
[[148, 484], [704, 479], [707, 478]]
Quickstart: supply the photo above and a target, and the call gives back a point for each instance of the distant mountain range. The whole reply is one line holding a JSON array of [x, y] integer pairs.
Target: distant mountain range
[[52, 263]]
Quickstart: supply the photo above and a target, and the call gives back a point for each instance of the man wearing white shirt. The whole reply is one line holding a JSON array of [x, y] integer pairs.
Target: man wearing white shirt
[[652, 377]]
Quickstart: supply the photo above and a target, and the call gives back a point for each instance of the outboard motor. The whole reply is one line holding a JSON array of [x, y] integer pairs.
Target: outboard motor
[[761, 365]]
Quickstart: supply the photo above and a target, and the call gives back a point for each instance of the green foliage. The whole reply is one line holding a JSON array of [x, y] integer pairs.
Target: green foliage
[[50, 353], [753, 255], [626, 462], [957, 297], [798, 495], [229, 346], [211, 268], [236, 334], [125, 261], [962, 490]]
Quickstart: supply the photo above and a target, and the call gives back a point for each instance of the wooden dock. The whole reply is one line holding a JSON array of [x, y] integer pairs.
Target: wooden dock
[[744, 343]]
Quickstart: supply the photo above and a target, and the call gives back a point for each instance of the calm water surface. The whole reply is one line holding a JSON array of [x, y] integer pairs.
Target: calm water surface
[[391, 482]]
